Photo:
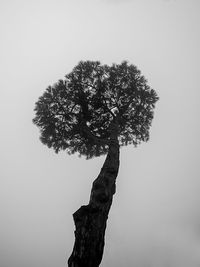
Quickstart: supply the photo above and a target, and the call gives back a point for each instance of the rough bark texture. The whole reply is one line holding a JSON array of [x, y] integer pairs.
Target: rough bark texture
[[90, 220]]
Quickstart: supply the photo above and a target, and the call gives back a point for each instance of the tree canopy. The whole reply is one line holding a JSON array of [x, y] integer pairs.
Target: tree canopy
[[75, 114]]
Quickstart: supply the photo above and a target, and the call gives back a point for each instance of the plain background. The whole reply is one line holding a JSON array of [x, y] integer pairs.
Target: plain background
[[155, 217]]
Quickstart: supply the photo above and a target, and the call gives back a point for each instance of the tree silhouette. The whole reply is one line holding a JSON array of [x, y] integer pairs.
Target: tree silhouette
[[94, 111]]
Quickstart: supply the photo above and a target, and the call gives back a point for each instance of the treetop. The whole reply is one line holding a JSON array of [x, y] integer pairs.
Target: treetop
[[75, 114]]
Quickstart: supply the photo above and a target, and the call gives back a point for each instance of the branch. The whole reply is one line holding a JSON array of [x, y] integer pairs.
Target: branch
[[106, 107], [73, 107], [97, 140]]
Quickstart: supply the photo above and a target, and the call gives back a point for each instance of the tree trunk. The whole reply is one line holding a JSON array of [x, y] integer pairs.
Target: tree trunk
[[90, 220]]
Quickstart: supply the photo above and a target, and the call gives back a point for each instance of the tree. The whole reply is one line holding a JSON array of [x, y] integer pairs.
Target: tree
[[94, 111]]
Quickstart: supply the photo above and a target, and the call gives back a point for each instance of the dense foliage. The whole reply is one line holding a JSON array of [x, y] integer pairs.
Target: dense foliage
[[75, 114]]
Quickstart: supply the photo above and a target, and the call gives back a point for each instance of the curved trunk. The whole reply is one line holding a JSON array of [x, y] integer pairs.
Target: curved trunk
[[90, 220]]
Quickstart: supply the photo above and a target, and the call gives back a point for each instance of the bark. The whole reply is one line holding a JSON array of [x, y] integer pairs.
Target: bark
[[90, 220]]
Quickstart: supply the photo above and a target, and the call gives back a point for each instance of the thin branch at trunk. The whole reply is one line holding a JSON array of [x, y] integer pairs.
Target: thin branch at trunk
[[90, 220]]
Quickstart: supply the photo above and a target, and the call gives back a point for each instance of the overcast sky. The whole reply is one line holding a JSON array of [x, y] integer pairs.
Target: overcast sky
[[155, 217]]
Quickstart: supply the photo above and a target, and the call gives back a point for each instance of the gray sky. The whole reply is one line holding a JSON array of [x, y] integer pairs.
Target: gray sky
[[155, 217]]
